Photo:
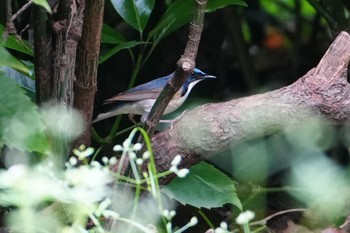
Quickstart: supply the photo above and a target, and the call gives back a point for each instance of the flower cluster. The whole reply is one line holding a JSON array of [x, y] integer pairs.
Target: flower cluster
[[169, 215], [245, 217], [174, 167], [131, 149], [223, 228]]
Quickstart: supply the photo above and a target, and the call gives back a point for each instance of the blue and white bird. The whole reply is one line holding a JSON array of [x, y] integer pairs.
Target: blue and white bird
[[140, 99]]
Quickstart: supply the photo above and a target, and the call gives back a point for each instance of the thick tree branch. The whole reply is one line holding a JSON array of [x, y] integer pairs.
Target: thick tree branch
[[86, 65], [323, 92]]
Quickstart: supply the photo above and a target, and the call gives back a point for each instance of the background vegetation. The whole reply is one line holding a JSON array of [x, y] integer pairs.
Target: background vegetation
[[252, 47]]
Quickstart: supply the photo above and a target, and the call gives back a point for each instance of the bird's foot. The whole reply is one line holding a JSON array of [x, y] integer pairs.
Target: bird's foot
[[173, 121], [131, 118]]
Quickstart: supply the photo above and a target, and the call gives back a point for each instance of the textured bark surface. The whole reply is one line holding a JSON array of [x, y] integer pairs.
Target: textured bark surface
[[323, 92], [67, 33], [86, 65], [42, 55]]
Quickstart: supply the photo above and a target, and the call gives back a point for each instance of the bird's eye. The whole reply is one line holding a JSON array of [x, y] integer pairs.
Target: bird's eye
[[193, 73]]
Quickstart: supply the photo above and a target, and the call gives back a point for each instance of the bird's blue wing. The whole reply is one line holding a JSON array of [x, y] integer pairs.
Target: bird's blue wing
[[158, 83], [148, 90]]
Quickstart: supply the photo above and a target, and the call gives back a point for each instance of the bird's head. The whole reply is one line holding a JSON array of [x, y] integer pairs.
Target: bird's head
[[195, 77]]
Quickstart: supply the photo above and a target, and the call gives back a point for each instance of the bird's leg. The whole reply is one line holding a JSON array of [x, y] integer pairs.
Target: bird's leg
[[176, 119], [173, 120], [131, 118], [144, 117]]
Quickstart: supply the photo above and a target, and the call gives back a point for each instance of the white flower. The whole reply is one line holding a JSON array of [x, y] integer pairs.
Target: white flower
[[182, 173], [105, 160], [88, 183], [83, 152], [132, 155], [103, 206], [118, 148], [146, 155], [173, 169], [172, 213], [139, 161], [169, 214], [193, 221], [179, 172], [245, 217], [220, 230], [73, 161], [113, 161], [137, 146], [127, 143], [176, 161]]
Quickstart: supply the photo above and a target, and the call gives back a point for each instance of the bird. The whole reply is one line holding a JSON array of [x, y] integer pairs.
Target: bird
[[140, 99]]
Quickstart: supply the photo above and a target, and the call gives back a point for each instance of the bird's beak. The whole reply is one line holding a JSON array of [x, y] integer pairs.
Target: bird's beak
[[208, 76]]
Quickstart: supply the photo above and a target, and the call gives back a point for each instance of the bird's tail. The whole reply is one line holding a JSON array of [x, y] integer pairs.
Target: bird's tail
[[111, 110]]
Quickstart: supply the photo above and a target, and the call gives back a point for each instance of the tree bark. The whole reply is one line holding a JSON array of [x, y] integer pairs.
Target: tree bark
[[42, 55], [67, 33], [208, 129], [86, 65], [56, 39]]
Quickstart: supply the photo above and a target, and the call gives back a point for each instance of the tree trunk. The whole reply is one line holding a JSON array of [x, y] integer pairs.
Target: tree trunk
[[86, 66], [56, 39], [67, 33]]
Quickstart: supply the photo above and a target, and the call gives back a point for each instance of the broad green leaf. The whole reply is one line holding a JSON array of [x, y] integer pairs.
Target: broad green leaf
[[44, 4], [134, 12], [205, 186], [126, 45], [111, 36], [6, 59], [20, 124], [15, 43], [180, 12], [214, 5]]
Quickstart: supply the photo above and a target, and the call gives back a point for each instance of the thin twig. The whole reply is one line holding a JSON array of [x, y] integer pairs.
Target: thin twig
[[10, 27], [264, 221], [8, 10], [21, 10], [23, 30]]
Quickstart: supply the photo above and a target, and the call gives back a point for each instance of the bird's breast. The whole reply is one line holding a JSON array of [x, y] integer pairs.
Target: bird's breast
[[174, 104]]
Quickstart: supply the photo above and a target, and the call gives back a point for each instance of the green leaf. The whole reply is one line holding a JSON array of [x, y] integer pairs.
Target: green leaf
[[20, 124], [111, 36], [12, 42], [205, 186], [126, 45], [214, 5], [180, 12], [6, 59], [134, 12], [44, 4]]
